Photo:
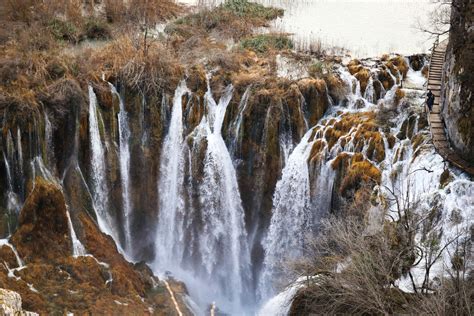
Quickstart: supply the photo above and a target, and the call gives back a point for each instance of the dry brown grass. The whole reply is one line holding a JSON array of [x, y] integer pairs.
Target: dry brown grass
[[233, 18], [125, 59]]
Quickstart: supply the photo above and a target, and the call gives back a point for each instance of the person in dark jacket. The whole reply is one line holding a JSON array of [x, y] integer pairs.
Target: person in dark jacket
[[430, 99]]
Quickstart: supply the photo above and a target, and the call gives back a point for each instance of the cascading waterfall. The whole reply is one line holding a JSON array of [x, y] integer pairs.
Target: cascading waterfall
[[369, 91], [124, 137], [169, 231], [98, 174], [221, 260], [224, 235], [295, 213], [353, 86]]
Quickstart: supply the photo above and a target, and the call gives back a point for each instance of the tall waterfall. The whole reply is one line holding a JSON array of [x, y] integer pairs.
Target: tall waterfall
[[296, 212], [98, 173], [224, 235], [220, 260], [124, 137], [169, 243]]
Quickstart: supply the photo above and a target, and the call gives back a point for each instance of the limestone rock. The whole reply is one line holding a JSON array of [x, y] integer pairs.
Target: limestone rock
[[10, 304]]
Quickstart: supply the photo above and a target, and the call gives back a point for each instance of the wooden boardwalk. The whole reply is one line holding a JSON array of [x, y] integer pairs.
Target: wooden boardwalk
[[435, 119]]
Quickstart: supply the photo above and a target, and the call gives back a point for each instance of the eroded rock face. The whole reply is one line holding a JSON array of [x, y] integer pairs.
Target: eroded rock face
[[51, 280], [457, 96], [43, 224]]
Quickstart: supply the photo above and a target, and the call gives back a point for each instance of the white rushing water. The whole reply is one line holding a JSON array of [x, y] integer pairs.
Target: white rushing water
[[170, 188], [98, 172], [124, 156], [414, 177], [77, 247], [297, 209], [216, 251], [223, 242]]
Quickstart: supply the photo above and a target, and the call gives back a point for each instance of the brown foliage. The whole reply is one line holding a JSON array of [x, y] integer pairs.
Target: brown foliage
[[360, 285], [123, 57], [43, 224]]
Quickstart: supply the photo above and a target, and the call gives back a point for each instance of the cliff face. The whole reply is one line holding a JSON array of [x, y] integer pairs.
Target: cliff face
[[457, 97]]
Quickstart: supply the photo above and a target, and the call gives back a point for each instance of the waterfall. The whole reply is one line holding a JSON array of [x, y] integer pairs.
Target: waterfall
[[124, 137], [13, 203], [220, 260], [169, 231], [48, 137], [352, 86], [98, 173], [369, 91], [236, 126], [77, 247], [224, 235], [5, 242], [20, 152], [296, 213]]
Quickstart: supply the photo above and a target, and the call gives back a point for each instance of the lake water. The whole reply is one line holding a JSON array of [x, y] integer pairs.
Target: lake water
[[366, 28]]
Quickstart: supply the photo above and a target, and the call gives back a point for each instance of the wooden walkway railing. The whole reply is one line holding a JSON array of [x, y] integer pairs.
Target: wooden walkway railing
[[435, 119]]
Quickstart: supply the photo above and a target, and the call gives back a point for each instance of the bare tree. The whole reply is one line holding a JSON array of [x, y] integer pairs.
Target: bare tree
[[438, 19]]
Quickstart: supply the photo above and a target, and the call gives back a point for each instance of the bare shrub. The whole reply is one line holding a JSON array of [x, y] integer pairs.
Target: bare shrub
[[124, 57], [349, 271]]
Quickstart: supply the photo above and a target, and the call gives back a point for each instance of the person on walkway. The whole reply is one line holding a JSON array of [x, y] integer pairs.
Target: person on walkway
[[430, 99]]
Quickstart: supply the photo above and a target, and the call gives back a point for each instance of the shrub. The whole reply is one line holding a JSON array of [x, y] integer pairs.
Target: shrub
[[266, 42], [244, 8], [64, 30], [96, 29], [234, 18], [154, 71]]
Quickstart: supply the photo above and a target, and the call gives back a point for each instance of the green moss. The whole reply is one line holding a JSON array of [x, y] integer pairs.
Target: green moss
[[64, 30], [244, 8], [316, 70], [264, 42]]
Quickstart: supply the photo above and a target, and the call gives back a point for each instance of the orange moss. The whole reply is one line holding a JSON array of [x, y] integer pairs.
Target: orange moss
[[399, 95], [363, 75], [354, 66], [391, 140], [394, 71], [360, 170], [425, 71], [342, 160], [315, 154], [401, 64], [385, 78]]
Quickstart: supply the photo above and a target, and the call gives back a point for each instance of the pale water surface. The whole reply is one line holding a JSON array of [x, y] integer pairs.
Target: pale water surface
[[366, 28]]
